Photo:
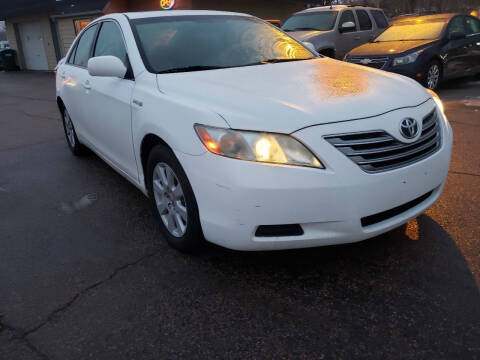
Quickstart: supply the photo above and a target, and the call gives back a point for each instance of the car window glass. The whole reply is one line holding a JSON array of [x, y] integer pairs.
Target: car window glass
[[170, 43], [319, 20], [110, 42], [364, 20], [82, 54], [472, 25], [380, 19], [457, 25], [347, 16], [72, 55]]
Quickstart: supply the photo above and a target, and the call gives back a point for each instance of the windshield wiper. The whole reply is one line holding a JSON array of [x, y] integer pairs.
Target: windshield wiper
[[274, 61], [191, 68]]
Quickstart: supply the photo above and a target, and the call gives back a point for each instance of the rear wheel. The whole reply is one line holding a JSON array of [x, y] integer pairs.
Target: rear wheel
[[433, 75], [72, 140], [173, 200]]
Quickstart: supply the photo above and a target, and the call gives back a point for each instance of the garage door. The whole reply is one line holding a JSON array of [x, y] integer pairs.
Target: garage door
[[33, 47]]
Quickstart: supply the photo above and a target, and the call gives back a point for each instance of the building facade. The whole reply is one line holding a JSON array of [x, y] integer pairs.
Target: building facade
[[42, 31]]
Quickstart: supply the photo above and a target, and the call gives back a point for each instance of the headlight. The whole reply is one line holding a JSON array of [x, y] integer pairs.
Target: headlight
[[408, 59], [257, 146], [437, 100]]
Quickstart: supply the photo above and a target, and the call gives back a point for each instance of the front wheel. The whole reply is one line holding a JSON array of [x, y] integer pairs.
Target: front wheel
[[433, 75], [173, 200]]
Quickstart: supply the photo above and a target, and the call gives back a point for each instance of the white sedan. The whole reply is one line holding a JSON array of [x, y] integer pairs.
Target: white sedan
[[243, 136]]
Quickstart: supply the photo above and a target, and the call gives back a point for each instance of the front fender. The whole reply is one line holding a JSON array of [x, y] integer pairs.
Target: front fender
[[169, 117]]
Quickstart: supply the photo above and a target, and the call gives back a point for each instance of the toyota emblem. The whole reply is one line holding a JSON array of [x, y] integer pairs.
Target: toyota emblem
[[409, 128]]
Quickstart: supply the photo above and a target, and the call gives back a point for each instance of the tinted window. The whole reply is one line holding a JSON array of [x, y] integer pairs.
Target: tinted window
[[203, 42], [380, 19], [346, 17], [110, 42], [82, 54], [472, 25], [320, 20], [457, 25], [364, 20]]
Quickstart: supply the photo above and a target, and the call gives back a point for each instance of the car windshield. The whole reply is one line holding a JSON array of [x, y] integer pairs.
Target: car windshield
[[320, 20], [413, 30], [204, 42]]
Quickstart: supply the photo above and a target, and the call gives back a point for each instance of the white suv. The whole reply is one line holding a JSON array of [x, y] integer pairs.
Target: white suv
[[241, 135], [335, 30]]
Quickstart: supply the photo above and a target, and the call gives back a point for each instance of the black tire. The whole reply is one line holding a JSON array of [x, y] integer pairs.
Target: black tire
[[432, 68], [74, 145], [192, 239]]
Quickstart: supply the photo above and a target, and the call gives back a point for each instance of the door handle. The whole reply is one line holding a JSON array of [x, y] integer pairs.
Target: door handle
[[137, 102], [87, 85], [357, 37]]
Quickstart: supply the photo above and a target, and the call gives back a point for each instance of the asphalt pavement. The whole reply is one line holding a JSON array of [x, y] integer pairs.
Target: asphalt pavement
[[85, 273]]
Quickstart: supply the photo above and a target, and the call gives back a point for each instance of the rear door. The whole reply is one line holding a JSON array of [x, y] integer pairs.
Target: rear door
[[109, 121], [380, 20], [347, 41], [365, 26], [73, 76]]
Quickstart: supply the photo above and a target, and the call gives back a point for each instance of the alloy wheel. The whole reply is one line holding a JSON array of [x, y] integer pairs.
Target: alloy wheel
[[70, 132], [433, 76], [170, 199]]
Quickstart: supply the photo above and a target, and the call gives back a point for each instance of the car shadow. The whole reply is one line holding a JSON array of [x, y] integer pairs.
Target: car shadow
[[420, 251]]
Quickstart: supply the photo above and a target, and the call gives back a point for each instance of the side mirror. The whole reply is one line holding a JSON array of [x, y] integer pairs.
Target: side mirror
[[457, 35], [309, 46], [106, 66], [348, 27]]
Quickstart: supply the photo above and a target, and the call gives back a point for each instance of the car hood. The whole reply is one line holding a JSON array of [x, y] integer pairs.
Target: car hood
[[387, 47], [285, 97], [305, 35]]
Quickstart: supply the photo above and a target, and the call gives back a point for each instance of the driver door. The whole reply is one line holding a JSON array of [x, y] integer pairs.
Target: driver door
[[109, 121], [456, 52], [347, 40]]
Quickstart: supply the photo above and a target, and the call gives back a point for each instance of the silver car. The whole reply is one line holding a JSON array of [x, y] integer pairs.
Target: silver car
[[335, 30]]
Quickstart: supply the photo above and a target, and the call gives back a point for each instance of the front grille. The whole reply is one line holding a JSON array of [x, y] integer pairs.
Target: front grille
[[385, 215], [377, 151], [377, 63]]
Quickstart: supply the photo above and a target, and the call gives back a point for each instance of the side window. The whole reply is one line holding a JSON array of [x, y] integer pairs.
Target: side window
[[347, 16], [82, 53], [364, 20], [472, 25], [457, 25], [380, 19], [72, 55], [110, 42]]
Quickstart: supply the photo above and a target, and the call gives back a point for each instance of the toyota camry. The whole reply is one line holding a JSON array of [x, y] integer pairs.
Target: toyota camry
[[243, 136]]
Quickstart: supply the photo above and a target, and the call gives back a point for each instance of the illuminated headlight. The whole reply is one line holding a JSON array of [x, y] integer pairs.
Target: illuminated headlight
[[408, 59], [257, 146], [437, 100]]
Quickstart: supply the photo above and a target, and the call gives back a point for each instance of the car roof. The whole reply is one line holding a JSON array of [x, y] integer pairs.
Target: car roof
[[425, 18], [335, 7], [153, 14]]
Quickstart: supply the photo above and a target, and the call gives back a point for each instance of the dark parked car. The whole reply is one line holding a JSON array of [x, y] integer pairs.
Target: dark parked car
[[427, 48]]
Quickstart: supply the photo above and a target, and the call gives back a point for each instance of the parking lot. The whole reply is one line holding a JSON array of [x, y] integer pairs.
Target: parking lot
[[85, 274]]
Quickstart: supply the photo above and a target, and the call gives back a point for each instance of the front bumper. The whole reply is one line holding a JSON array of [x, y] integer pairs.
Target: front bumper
[[235, 197], [415, 70]]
